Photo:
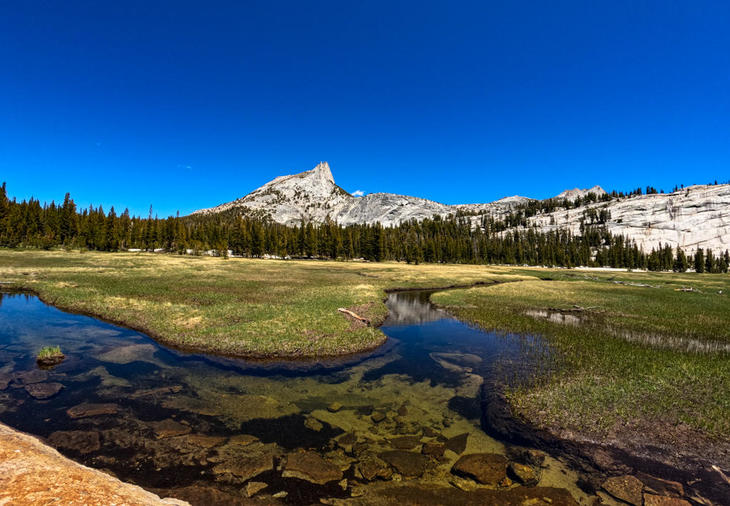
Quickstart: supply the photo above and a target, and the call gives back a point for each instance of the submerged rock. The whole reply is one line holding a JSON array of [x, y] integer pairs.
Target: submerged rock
[[435, 450], [85, 410], [77, 440], [656, 500], [371, 467], [243, 468], [626, 488], [169, 428], [312, 423], [457, 444], [30, 377], [254, 487], [43, 390], [377, 416], [409, 464], [311, 467], [526, 475], [486, 468], [334, 407], [5, 380], [129, 353], [405, 442]]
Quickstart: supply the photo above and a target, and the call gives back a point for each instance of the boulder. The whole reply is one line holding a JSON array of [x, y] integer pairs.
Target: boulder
[[311, 467], [254, 487], [405, 442], [485, 468]]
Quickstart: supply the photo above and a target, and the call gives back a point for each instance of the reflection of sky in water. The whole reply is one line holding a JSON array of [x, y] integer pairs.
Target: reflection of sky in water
[[432, 361]]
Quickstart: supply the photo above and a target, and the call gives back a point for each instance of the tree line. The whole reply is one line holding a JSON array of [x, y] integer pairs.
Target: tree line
[[437, 240]]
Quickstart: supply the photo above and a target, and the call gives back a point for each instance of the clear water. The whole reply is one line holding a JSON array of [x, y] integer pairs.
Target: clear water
[[172, 420]]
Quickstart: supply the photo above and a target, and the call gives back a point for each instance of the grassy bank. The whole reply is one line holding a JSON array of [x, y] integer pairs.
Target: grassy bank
[[634, 352], [237, 306]]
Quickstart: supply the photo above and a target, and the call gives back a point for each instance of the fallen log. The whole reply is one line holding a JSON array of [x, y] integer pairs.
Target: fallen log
[[354, 315]]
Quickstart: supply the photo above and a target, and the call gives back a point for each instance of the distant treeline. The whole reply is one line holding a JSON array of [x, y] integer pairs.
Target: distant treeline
[[436, 240]]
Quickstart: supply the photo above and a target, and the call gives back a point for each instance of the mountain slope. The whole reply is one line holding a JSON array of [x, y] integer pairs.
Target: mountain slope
[[697, 216]]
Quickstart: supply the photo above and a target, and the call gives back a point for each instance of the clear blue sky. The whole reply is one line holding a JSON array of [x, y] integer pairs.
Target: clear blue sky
[[185, 105]]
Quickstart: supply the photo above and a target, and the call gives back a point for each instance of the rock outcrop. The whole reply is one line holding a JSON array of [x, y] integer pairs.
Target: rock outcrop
[[696, 216], [33, 473]]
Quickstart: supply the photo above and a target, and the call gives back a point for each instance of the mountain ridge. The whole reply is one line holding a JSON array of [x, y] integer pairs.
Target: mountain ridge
[[696, 216]]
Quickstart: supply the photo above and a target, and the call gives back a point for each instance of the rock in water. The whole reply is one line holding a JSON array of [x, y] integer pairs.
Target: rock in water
[[43, 390], [311, 467], [486, 468], [526, 475], [625, 488], [169, 428], [77, 440], [409, 464], [88, 409]]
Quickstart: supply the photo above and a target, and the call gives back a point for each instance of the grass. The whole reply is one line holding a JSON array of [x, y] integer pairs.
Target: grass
[[49, 352], [239, 307], [624, 371], [642, 360]]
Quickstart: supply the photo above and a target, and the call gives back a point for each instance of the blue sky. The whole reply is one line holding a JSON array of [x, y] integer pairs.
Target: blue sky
[[183, 105]]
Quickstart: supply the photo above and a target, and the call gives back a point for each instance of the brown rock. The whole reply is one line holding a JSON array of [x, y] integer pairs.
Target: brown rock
[[311, 467], [156, 392], [254, 487], [457, 444], [77, 440], [658, 486], [405, 442], [5, 380], [409, 464], [30, 377], [34, 473], [371, 467], [204, 441], [377, 416], [334, 407], [626, 488], [43, 390], [656, 500], [169, 428], [486, 468], [243, 468], [313, 424], [526, 475], [435, 450], [87, 409]]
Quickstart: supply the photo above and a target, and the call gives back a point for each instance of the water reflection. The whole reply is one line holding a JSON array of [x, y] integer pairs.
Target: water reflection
[[187, 424]]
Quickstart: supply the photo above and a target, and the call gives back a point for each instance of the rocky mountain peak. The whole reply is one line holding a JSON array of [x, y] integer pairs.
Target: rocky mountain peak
[[577, 192], [323, 172]]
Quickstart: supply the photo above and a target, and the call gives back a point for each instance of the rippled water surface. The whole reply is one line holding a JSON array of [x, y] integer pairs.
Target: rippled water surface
[[194, 424]]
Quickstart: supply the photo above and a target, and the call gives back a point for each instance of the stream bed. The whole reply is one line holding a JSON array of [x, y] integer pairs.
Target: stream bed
[[218, 430]]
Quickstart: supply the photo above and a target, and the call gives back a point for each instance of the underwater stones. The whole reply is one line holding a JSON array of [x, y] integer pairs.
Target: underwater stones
[[311, 467], [242, 469], [526, 475], [254, 487], [204, 441], [128, 354], [660, 487], [76, 440], [107, 380], [86, 410], [313, 424], [405, 442], [156, 392], [43, 390], [30, 377], [371, 467], [625, 488], [486, 468], [457, 444], [5, 380], [435, 450], [347, 441], [334, 407], [242, 440], [656, 500], [377, 416], [409, 464], [169, 428]]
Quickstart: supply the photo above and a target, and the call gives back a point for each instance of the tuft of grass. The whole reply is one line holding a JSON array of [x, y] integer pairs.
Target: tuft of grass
[[49, 352]]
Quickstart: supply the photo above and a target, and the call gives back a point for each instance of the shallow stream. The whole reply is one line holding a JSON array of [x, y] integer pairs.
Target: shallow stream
[[203, 428]]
